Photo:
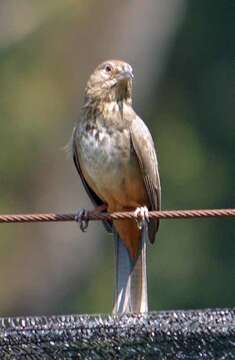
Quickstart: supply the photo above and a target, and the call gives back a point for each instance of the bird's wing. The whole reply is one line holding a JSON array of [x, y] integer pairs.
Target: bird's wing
[[143, 145], [92, 195]]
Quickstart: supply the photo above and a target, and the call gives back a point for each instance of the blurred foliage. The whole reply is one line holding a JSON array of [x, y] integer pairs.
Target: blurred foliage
[[45, 49], [194, 125]]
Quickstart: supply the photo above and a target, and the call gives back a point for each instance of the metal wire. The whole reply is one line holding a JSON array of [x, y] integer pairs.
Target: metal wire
[[93, 215]]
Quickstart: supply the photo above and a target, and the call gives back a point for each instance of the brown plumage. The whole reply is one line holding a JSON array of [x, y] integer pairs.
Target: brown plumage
[[114, 152]]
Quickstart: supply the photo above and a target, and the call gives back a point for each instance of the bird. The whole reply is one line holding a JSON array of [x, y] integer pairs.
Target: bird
[[115, 156]]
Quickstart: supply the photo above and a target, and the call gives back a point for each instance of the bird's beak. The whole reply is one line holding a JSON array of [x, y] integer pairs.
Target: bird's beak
[[126, 74]]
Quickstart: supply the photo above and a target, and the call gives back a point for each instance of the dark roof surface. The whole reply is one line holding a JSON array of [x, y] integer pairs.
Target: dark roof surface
[[175, 335]]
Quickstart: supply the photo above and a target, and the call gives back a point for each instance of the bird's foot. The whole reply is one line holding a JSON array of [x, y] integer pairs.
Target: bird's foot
[[81, 218], [82, 215], [142, 216]]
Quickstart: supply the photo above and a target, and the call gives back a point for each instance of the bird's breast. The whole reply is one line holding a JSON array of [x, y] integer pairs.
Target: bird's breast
[[103, 152], [108, 162]]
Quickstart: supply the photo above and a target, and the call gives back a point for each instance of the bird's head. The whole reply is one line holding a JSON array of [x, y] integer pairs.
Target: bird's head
[[111, 81]]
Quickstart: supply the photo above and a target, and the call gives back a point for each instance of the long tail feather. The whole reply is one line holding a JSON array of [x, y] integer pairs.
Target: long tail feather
[[131, 277]]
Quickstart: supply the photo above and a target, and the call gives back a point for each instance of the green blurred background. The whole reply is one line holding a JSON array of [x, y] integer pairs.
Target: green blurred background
[[183, 56]]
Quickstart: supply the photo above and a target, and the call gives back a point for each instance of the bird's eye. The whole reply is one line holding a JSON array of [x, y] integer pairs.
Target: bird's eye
[[108, 68]]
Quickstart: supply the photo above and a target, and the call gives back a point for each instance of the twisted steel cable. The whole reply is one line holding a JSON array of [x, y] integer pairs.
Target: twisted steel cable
[[93, 215]]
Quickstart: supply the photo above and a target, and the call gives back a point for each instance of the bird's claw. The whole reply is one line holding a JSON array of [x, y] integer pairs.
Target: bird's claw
[[142, 216], [82, 219]]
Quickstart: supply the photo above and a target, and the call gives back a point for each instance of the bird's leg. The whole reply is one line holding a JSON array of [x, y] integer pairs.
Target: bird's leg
[[82, 214], [142, 216], [101, 208]]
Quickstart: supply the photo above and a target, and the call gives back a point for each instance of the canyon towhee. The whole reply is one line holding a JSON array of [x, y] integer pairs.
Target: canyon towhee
[[115, 157]]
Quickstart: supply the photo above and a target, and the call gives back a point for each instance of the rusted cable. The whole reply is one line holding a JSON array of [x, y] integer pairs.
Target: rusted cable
[[92, 215]]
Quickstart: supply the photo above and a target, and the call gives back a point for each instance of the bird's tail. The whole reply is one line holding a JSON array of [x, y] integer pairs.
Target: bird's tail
[[131, 278]]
